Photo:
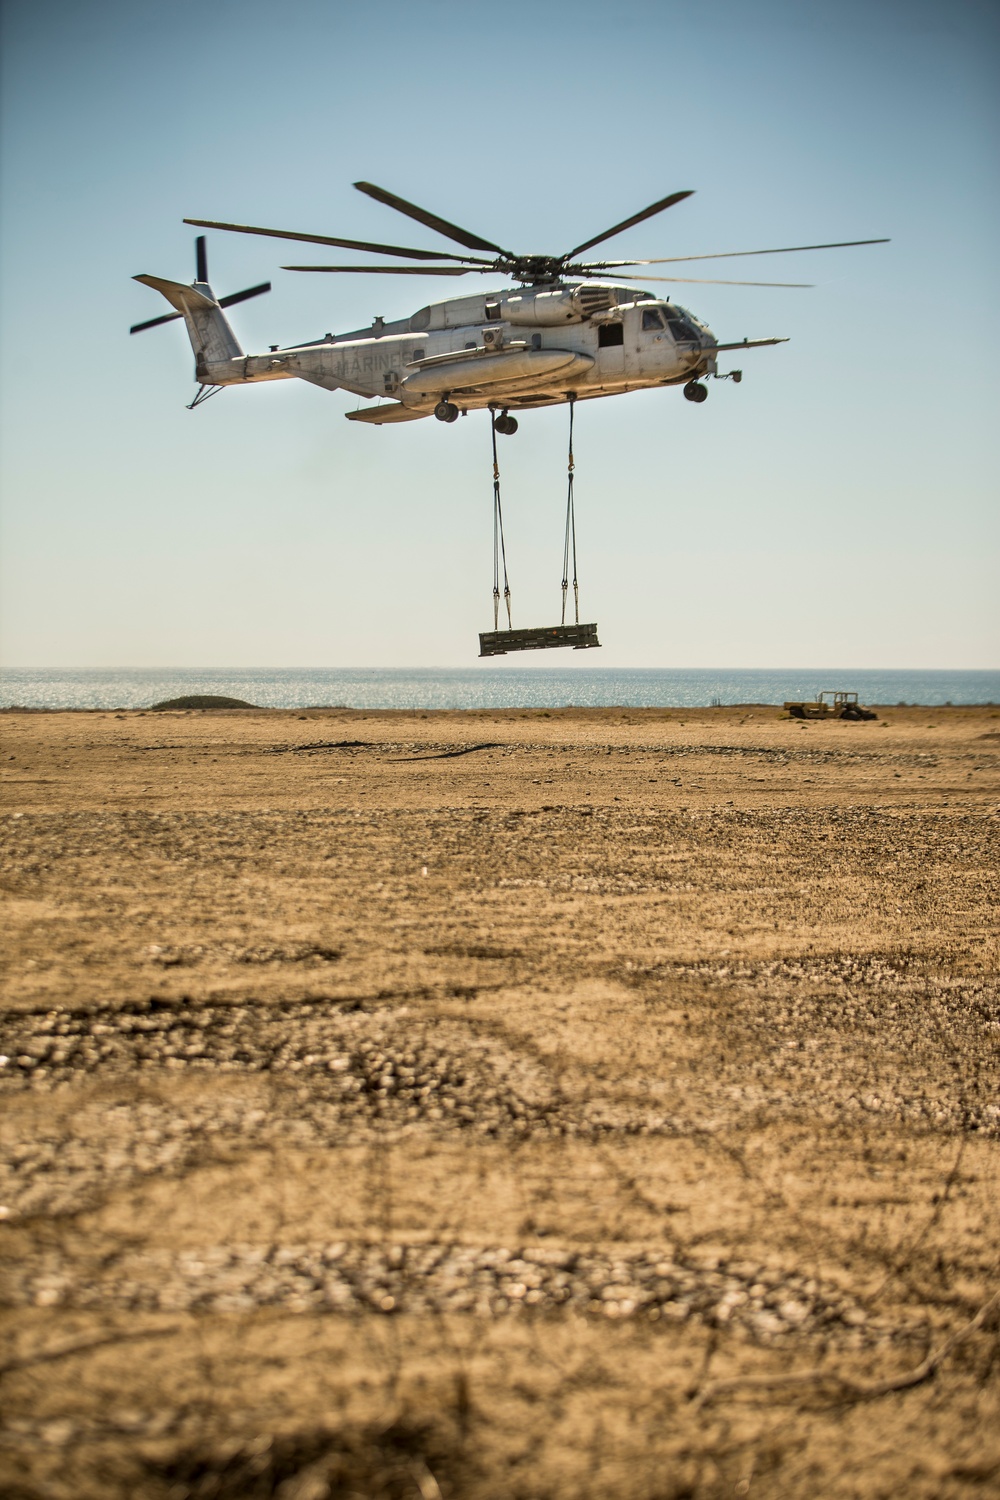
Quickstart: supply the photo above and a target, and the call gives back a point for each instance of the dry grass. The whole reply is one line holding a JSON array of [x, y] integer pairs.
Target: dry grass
[[500, 1105]]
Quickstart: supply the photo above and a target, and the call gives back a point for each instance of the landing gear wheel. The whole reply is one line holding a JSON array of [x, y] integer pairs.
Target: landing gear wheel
[[695, 392], [505, 425], [446, 411]]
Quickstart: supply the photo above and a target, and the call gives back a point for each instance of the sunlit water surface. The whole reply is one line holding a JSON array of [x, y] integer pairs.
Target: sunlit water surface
[[508, 686]]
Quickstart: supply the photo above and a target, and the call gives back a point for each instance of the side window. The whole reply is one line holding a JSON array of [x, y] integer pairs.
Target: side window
[[651, 319], [610, 334]]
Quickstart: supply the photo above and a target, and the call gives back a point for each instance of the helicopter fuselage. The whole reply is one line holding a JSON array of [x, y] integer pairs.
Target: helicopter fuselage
[[534, 347]]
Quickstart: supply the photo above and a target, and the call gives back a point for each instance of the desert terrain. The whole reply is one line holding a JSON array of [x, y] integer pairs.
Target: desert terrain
[[514, 1106]]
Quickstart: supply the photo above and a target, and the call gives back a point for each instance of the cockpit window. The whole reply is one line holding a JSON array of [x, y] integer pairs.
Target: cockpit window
[[680, 327], [651, 319]]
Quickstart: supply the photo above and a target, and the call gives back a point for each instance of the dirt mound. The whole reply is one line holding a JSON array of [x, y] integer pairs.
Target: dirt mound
[[202, 700]]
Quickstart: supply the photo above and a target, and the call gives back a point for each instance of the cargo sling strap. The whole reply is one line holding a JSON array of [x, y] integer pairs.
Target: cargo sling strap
[[499, 550], [570, 538], [497, 642]]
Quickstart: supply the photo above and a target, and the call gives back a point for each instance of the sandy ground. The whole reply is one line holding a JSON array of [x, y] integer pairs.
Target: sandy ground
[[585, 1104]]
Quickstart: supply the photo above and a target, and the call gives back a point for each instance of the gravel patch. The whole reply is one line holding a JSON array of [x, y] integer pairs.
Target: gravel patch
[[310, 1074], [850, 1031], [763, 1303], [861, 1034]]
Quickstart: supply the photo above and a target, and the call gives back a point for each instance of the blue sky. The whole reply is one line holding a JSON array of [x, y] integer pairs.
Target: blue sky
[[835, 509]]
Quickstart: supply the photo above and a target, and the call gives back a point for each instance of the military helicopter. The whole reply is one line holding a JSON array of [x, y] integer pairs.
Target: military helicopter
[[568, 332]]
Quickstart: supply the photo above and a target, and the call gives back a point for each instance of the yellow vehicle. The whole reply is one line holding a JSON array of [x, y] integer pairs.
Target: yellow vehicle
[[830, 705]]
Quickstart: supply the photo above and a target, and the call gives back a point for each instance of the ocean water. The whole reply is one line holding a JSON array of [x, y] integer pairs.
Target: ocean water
[[488, 687]]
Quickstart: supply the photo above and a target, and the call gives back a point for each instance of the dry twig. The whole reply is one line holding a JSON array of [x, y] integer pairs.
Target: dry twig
[[855, 1390], [82, 1346]]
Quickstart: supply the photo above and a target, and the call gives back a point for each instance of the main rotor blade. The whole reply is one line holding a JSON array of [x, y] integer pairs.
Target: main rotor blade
[[431, 221], [397, 270], [326, 239], [711, 281], [667, 260], [252, 291], [647, 213], [154, 322]]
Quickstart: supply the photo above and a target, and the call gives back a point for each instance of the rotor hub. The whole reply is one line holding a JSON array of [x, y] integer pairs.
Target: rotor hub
[[534, 270]]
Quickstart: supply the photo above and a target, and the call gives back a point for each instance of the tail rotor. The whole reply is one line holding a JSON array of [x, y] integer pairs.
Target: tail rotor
[[201, 279]]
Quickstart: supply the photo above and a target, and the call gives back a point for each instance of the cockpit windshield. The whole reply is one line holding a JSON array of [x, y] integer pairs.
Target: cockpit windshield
[[677, 319], [681, 324]]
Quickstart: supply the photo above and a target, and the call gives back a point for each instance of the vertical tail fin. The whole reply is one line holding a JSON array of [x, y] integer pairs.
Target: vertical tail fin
[[214, 343], [212, 339]]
